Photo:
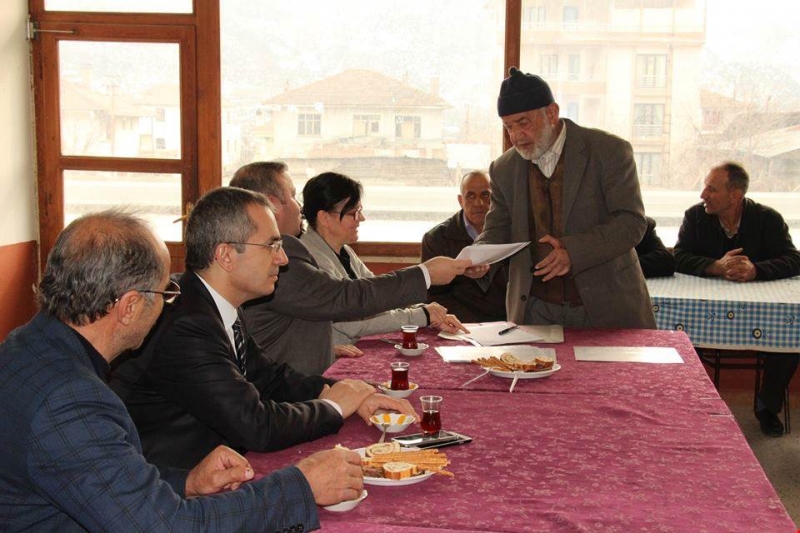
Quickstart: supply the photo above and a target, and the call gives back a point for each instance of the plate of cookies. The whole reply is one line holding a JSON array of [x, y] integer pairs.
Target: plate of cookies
[[390, 465], [508, 365]]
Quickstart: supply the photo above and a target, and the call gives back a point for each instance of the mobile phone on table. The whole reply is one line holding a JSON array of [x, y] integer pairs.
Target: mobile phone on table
[[434, 440]]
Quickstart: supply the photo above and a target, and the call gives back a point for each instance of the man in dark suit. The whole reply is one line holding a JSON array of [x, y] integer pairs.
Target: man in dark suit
[[733, 237], [294, 324], [463, 296], [201, 380], [574, 194], [72, 460], [656, 260]]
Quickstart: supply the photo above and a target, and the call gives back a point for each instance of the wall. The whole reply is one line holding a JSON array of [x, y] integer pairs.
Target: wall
[[18, 216]]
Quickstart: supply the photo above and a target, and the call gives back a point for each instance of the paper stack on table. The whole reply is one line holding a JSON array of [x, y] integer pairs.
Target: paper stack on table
[[488, 334], [627, 354]]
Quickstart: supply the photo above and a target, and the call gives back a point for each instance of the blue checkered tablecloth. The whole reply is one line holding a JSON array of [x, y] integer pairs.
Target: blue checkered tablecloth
[[715, 313]]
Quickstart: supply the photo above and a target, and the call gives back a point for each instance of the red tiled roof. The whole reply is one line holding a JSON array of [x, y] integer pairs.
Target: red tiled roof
[[358, 88]]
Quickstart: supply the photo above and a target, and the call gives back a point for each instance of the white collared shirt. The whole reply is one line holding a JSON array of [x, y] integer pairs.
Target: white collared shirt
[[471, 231], [229, 316], [547, 163]]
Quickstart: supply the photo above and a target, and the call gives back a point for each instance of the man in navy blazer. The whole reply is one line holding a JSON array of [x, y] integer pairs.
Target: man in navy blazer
[[192, 388], [72, 460]]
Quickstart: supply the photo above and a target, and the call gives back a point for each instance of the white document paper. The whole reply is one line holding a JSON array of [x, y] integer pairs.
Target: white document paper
[[627, 354], [488, 334], [466, 354], [486, 254]]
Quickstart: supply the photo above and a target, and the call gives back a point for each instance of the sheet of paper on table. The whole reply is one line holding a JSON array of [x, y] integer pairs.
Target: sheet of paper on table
[[466, 354], [486, 254], [627, 354], [488, 334]]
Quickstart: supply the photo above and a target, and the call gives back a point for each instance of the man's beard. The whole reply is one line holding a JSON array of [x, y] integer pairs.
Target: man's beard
[[542, 144]]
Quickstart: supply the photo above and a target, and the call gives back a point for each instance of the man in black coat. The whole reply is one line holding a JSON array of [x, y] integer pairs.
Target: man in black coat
[[463, 297], [201, 380], [654, 258], [733, 237]]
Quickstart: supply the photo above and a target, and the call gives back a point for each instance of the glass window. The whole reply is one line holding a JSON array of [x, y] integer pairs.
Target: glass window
[[154, 197], [651, 70], [121, 6], [407, 94], [548, 65], [115, 96], [648, 165], [648, 120], [309, 124]]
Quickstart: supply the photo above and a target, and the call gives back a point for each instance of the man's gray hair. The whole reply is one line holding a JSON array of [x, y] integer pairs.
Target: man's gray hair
[[261, 176], [96, 259], [468, 175], [737, 175], [220, 216]]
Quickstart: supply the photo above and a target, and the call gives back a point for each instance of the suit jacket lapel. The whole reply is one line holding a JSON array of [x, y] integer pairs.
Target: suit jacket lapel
[[575, 162], [521, 201]]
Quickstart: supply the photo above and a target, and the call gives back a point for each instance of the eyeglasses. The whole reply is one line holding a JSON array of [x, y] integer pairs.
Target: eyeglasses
[[357, 213], [273, 248], [169, 295]]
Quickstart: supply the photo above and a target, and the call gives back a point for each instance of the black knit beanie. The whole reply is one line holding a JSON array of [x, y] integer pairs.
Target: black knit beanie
[[522, 92]]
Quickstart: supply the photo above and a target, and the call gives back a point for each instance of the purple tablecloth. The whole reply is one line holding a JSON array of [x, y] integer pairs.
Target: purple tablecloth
[[613, 447]]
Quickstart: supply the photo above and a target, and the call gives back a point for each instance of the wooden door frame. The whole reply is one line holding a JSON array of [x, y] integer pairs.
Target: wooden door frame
[[200, 165]]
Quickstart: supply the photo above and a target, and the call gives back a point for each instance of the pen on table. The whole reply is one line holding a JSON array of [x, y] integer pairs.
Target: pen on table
[[504, 331]]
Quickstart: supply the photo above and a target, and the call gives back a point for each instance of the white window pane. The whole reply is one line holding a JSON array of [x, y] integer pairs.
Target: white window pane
[[121, 6], [690, 83], [154, 197], [120, 99], [385, 93]]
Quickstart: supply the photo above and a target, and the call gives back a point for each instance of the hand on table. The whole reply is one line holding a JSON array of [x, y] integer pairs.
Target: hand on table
[[346, 350], [222, 469], [349, 394], [381, 401], [334, 475], [557, 262], [741, 270]]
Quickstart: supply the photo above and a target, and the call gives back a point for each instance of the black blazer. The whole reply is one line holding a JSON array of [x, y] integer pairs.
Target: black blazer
[[186, 394], [656, 261], [463, 296], [762, 233]]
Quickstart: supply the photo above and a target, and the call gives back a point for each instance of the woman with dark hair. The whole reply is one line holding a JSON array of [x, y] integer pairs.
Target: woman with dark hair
[[332, 207]]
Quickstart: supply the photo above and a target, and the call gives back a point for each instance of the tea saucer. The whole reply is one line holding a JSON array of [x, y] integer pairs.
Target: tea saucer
[[384, 388], [411, 352]]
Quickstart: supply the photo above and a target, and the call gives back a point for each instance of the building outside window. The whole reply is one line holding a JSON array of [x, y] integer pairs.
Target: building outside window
[[648, 165], [548, 65], [651, 71], [366, 125], [309, 124], [648, 120], [407, 127]]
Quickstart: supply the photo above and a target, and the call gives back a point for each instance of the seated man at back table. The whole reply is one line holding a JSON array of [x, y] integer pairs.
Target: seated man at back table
[[294, 324], [733, 237], [654, 258], [200, 380], [463, 296], [72, 460]]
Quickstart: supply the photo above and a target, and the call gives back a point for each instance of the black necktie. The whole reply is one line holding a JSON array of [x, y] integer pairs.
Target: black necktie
[[241, 347]]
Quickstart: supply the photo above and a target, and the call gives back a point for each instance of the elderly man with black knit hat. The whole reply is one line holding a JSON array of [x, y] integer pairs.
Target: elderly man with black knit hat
[[574, 193]]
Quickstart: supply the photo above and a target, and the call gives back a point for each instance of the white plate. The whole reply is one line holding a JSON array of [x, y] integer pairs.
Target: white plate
[[384, 388], [383, 482], [525, 375], [421, 347], [349, 505]]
